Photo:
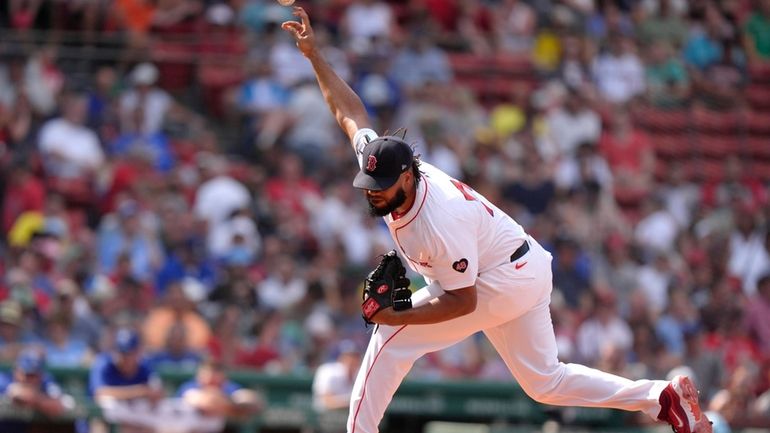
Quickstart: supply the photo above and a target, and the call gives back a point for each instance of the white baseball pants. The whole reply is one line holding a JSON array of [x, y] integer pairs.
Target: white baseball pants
[[513, 312]]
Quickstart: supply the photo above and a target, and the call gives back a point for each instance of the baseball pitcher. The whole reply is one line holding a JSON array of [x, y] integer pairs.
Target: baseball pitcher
[[484, 272]]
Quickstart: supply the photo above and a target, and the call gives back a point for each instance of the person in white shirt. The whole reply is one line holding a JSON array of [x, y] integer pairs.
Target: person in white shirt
[[619, 73], [69, 148], [333, 380], [484, 273]]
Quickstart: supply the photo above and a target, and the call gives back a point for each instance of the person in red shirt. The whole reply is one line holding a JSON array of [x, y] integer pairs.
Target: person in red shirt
[[628, 153], [24, 192]]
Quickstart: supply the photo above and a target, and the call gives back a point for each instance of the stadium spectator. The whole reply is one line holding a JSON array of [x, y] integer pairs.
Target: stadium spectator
[[601, 329], [668, 84], [571, 274], [71, 151], [747, 253], [127, 232], [736, 185], [705, 363], [514, 26], [571, 125], [737, 402], [756, 41], [283, 288], [214, 396], [655, 218], [587, 167], [333, 380], [628, 153], [619, 72], [264, 101], [153, 105], [757, 312], [13, 335], [24, 192], [62, 348], [176, 310], [124, 385], [664, 25], [176, 354], [43, 80], [420, 62], [29, 386], [368, 25], [218, 195]]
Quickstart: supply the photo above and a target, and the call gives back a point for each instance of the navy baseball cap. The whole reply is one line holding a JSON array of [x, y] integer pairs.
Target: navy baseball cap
[[126, 340], [384, 159], [31, 362]]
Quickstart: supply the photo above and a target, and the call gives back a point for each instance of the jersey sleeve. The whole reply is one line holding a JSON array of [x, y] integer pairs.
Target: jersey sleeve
[[5, 382], [361, 138], [456, 263], [230, 388]]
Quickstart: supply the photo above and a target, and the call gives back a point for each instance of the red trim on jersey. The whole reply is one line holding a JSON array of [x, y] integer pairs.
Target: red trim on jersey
[[397, 215], [366, 379], [395, 232]]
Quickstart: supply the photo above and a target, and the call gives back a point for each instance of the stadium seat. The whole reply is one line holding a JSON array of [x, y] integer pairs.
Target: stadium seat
[[715, 121], [717, 146], [466, 64], [758, 123], [176, 63], [761, 169], [706, 169], [759, 73], [508, 65], [652, 120], [670, 146], [759, 98], [758, 147]]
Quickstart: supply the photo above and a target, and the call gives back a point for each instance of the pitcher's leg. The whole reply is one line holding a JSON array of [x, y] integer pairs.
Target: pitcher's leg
[[390, 355], [528, 346]]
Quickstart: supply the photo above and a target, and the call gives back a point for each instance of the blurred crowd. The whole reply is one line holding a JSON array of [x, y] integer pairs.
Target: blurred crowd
[[170, 166]]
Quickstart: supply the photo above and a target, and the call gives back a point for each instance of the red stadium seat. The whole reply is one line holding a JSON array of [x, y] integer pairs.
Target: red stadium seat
[[759, 147], [758, 123], [716, 146], [759, 97], [652, 120], [759, 72], [708, 169], [761, 170], [715, 121], [468, 65], [520, 66], [673, 146]]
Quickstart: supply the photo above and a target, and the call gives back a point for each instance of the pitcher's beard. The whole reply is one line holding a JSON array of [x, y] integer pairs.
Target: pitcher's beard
[[391, 205]]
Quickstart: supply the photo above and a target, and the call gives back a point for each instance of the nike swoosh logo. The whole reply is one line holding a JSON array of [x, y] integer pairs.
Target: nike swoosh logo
[[679, 422], [520, 265]]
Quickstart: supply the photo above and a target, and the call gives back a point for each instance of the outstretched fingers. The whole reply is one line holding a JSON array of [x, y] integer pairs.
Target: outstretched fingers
[[292, 26], [300, 12]]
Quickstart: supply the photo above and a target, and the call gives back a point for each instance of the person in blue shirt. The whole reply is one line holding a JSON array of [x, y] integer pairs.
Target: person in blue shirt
[[212, 394], [30, 387], [176, 355], [124, 385], [123, 374]]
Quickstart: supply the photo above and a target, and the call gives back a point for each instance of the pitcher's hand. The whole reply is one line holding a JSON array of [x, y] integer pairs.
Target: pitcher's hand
[[302, 32]]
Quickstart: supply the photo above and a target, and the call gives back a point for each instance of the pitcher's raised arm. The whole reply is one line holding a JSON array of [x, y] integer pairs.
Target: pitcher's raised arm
[[343, 102]]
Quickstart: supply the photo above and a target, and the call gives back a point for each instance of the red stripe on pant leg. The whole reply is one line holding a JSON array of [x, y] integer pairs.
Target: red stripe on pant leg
[[366, 378]]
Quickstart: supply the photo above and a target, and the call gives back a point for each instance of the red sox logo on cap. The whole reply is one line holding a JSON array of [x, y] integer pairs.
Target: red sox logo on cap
[[371, 163]]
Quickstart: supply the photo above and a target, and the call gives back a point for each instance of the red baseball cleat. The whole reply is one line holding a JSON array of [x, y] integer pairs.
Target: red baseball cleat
[[680, 408]]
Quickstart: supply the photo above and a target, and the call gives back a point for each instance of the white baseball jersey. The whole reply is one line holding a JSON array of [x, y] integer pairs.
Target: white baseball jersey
[[453, 236]]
